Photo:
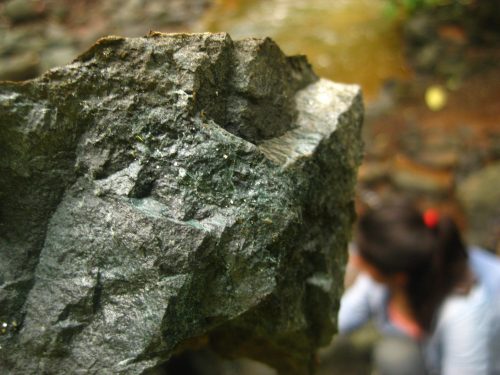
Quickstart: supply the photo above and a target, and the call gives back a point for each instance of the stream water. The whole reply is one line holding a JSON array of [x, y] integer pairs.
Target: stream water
[[349, 41]]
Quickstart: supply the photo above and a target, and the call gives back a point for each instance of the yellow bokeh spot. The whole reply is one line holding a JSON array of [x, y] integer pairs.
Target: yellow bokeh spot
[[435, 97]]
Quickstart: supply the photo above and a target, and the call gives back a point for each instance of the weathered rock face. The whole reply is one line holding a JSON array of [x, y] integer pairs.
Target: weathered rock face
[[172, 191]]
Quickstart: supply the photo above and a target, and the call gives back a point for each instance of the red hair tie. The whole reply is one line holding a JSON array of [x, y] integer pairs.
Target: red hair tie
[[431, 218]]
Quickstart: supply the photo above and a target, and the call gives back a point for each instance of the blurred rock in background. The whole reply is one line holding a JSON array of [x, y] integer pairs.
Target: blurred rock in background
[[36, 35]]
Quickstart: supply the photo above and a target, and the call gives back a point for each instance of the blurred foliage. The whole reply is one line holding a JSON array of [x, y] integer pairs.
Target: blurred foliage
[[406, 8], [480, 19]]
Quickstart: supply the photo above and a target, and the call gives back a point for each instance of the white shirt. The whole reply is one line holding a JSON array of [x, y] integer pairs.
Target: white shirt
[[466, 340]]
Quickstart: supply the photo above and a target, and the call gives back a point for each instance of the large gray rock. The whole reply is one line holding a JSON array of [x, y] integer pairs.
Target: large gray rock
[[170, 192]]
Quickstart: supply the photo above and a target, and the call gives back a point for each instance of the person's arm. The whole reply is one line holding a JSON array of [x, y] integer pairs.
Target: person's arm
[[358, 303]]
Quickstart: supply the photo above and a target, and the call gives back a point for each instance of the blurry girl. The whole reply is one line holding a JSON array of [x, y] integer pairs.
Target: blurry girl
[[436, 303]]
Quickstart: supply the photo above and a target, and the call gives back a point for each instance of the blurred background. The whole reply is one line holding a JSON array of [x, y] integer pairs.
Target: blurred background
[[429, 70]]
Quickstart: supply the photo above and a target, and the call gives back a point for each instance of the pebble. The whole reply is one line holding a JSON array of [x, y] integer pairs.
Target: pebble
[[436, 97], [57, 56], [20, 67], [440, 159], [479, 194], [24, 10], [408, 175], [373, 171]]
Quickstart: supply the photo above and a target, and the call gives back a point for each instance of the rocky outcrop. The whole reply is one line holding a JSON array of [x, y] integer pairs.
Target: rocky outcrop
[[170, 192]]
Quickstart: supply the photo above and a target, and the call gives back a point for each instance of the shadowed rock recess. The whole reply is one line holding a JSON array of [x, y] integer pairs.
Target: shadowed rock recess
[[170, 192]]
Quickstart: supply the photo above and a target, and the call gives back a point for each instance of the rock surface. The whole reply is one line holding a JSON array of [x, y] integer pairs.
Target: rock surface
[[169, 192]]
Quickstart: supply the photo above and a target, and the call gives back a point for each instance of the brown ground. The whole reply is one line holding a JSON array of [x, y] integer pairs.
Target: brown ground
[[408, 143]]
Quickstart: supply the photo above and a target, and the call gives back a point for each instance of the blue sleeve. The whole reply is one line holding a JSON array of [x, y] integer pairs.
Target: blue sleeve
[[359, 303], [464, 329], [486, 267]]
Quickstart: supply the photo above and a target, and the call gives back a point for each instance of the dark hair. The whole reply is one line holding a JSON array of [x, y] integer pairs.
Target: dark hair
[[395, 239]]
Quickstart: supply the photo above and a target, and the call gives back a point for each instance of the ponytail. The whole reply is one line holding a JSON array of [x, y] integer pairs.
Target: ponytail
[[399, 238], [452, 253], [428, 288]]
